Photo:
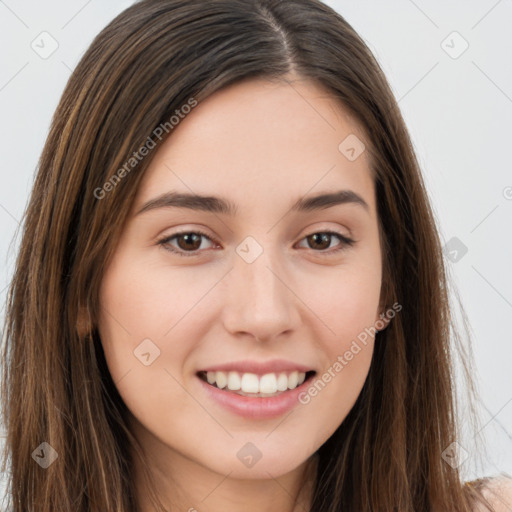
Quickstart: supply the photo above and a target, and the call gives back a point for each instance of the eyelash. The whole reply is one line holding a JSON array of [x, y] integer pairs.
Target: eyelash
[[345, 242]]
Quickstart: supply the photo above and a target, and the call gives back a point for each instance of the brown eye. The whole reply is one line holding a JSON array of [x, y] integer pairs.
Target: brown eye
[[321, 241], [188, 243], [191, 241]]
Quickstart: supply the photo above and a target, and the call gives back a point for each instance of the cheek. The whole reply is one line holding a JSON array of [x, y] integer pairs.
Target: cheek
[[151, 318], [139, 315], [145, 300], [345, 303], [346, 300], [347, 307]]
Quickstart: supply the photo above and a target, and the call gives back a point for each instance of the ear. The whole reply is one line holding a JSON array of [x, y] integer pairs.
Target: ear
[[382, 320], [83, 323]]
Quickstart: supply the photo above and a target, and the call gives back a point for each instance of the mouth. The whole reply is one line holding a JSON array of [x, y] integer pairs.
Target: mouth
[[254, 385]]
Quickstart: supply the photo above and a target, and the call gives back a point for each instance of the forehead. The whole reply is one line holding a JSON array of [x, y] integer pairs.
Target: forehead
[[261, 143]]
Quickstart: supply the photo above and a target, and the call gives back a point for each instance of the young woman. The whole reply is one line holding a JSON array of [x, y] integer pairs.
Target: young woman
[[230, 291]]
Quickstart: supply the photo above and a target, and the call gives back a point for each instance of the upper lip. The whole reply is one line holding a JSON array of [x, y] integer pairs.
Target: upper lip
[[259, 368]]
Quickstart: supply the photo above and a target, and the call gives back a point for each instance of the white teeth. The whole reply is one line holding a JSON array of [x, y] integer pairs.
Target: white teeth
[[269, 383], [221, 380], [250, 383], [234, 383], [292, 380], [282, 382]]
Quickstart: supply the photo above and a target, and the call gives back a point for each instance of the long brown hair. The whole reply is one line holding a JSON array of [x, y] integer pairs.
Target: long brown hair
[[387, 455]]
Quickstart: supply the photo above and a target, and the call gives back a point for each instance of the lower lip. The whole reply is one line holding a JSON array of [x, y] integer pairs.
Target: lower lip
[[256, 408]]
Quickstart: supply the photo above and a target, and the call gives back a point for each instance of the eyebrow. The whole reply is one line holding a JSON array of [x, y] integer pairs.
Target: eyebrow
[[219, 205]]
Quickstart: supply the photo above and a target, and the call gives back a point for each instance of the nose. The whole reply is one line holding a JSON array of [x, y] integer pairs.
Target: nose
[[260, 301]]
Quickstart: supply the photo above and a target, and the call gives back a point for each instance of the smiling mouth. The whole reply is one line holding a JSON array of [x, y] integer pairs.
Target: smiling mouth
[[291, 383]]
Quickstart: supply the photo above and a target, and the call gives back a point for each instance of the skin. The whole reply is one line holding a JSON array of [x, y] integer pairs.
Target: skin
[[261, 145]]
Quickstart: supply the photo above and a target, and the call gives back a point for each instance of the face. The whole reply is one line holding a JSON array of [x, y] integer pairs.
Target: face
[[193, 287]]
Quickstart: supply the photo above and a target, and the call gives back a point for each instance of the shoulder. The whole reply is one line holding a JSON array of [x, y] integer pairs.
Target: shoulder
[[497, 491]]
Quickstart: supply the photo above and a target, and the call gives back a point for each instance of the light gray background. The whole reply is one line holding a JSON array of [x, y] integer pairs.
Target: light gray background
[[458, 110]]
